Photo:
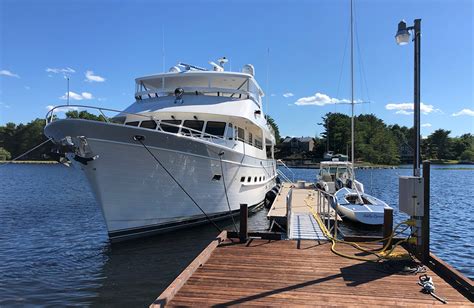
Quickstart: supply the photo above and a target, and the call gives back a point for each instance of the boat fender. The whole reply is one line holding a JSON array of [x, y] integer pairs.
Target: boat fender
[[85, 160], [349, 183], [269, 198]]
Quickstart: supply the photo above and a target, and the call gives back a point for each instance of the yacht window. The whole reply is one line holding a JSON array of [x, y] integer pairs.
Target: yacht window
[[215, 128], [169, 128], [258, 143], [250, 138], [230, 132], [264, 178], [242, 179], [196, 127], [240, 134], [249, 179], [133, 123], [255, 180], [260, 179], [148, 124]]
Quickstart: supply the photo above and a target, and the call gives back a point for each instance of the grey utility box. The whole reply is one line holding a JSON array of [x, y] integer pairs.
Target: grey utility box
[[410, 198]]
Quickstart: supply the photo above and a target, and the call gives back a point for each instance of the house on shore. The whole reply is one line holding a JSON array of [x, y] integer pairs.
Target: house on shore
[[297, 144]]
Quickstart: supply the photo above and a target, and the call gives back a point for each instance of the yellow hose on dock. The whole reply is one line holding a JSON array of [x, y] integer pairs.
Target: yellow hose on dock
[[380, 254]]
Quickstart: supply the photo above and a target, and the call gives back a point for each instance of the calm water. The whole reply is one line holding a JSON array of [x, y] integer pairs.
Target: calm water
[[54, 248]]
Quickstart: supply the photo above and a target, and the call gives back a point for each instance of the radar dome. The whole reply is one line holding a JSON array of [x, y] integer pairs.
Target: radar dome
[[248, 69]]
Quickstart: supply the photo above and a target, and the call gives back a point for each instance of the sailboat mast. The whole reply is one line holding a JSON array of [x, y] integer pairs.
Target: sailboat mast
[[352, 89]]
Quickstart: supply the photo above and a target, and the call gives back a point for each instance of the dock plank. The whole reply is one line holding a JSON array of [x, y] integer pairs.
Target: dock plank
[[301, 273]]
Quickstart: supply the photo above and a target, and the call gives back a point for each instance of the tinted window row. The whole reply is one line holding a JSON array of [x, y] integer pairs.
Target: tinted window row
[[190, 127], [256, 179]]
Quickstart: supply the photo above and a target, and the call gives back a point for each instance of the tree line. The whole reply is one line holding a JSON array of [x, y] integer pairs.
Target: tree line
[[379, 143], [375, 141]]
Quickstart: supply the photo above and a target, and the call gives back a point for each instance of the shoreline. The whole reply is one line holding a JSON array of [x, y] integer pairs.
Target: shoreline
[[39, 162]]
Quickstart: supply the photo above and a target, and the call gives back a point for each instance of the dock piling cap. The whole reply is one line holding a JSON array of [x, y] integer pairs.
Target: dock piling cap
[[300, 184]]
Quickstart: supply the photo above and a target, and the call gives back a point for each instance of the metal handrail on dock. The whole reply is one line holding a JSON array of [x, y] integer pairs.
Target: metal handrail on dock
[[289, 197], [325, 200]]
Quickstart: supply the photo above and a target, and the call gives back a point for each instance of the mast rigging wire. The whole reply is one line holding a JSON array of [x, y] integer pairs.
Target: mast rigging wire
[[140, 140], [225, 191]]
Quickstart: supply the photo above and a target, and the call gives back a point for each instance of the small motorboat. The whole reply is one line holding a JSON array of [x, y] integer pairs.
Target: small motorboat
[[359, 207]]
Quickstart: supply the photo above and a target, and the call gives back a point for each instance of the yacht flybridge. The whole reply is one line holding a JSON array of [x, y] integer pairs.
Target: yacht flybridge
[[194, 145]]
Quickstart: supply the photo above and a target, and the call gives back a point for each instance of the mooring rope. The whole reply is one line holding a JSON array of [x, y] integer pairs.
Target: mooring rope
[[140, 139], [27, 152], [225, 191]]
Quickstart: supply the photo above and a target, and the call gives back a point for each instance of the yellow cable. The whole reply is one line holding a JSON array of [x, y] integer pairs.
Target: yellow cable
[[380, 254]]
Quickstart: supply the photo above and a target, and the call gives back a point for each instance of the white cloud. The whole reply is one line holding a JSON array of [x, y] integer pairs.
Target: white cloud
[[407, 108], [77, 97], [90, 77], [27, 87], [466, 111], [426, 125], [66, 70], [2, 104], [8, 74], [320, 99], [288, 94]]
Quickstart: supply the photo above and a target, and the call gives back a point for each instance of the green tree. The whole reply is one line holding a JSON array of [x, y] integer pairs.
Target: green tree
[[74, 114], [440, 144], [461, 144], [467, 156], [4, 154], [273, 124]]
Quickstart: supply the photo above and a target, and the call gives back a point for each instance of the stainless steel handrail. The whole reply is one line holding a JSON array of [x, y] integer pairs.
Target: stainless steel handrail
[[325, 200], [50, 113], [288, 212], [284, 165]]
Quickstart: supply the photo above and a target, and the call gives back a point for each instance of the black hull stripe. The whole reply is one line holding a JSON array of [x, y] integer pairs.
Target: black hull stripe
[[128, 234]]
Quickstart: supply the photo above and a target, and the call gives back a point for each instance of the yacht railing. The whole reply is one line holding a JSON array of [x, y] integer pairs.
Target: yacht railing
[[159, 125], [287, 168], [239, 94], [283, 176]]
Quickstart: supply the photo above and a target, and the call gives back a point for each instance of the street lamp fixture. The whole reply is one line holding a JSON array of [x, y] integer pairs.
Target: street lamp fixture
[[403, 37]]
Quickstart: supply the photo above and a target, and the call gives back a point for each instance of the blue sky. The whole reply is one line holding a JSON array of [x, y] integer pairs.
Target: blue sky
[[109, 43]]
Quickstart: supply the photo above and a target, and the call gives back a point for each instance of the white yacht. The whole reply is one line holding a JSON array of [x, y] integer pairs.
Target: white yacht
[[195, 143]]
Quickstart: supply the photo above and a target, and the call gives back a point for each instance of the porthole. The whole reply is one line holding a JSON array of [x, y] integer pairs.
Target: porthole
[[242, 179], [249, 179]]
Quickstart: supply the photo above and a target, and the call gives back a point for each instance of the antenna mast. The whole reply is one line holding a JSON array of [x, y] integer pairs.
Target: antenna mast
[[266, 86], [67, 78], [352, 89], [163, 46]]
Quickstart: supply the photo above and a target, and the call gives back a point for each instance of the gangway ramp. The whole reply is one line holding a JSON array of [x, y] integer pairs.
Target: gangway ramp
[[303, 226]]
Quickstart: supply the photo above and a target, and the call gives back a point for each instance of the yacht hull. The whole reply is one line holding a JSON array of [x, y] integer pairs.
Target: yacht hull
[[140, 196]]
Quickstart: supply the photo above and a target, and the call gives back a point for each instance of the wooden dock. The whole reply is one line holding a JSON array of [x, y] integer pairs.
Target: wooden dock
[[283, 272], [301, 200], [297, 267]]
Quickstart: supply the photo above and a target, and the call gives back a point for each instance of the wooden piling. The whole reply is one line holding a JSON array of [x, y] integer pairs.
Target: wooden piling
[[425, 223], [387, 225], [243, 235]]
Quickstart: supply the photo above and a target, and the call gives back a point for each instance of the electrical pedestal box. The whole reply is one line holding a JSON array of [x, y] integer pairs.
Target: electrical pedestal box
[[411, 199]]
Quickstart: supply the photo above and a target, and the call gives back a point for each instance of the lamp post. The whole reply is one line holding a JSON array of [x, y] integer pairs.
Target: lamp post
[[403, 37]]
